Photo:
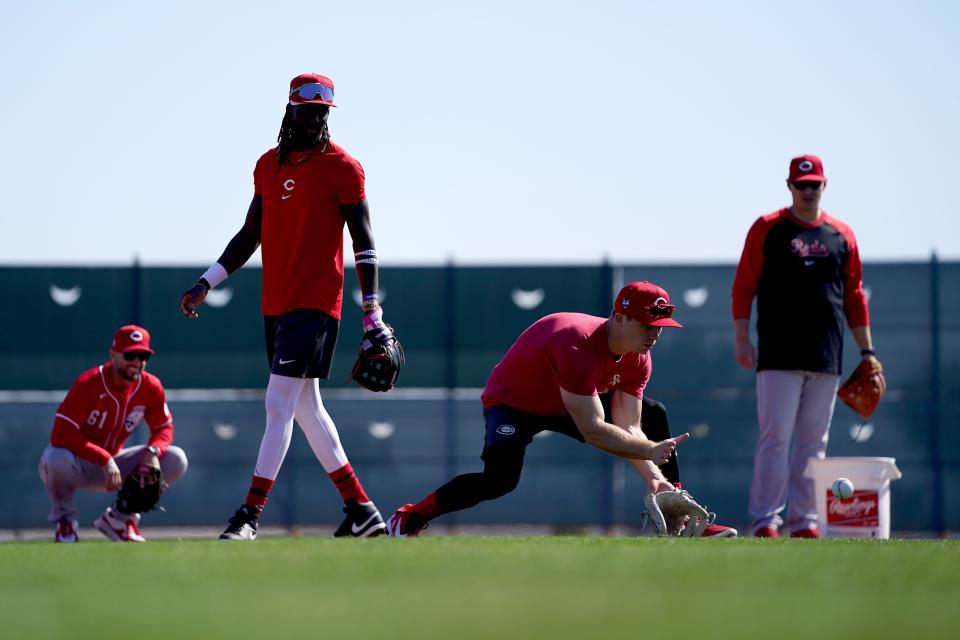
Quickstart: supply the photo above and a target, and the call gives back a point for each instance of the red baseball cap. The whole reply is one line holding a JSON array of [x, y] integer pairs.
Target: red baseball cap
[[311, 88], [131, 338], [647, 303], [806, 168]]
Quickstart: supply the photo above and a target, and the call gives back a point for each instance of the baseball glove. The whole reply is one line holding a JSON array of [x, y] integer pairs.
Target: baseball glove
[[141, 490], [676, 513], [379, 361], [864, 388]]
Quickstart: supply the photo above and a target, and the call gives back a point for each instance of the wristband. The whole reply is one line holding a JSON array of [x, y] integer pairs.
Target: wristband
[[868, 352], [215, 274]]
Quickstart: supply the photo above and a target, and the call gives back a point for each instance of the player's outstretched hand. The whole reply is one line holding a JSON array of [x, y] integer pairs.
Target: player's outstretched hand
[[191, 299], [660, 453]]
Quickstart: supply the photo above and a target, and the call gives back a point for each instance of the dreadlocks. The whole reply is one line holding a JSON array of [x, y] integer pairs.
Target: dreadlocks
[[287, 134]]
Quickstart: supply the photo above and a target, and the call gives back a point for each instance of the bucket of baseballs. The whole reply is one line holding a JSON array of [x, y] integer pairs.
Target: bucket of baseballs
[[853, 495]]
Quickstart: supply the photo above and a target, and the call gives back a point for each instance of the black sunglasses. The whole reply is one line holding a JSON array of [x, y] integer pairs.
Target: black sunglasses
[[660, 310], [130, 356], [809, 184]]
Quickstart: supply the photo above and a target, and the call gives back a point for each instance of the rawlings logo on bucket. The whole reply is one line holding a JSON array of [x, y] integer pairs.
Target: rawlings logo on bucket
[[861, 510]]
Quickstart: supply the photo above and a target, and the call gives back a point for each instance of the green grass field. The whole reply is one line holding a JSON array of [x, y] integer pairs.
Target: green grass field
[[482, 587]]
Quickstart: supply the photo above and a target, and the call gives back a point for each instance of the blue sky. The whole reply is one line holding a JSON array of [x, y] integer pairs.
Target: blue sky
[[499, 132]]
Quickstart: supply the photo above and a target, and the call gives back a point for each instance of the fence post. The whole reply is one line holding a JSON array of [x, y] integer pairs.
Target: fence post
[[937, 459], [450, 377], [136, 287], [611, 498]]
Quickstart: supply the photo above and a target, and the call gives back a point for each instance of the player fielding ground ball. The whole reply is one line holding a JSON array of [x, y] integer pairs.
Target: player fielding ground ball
[[305, 190], [104, 406], [803, 266], [582, 376]]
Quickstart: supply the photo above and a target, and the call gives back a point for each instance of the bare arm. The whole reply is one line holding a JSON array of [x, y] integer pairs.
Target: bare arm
[[625, 441], [625, 409], [357, 216], [864, 341], [746, 353]]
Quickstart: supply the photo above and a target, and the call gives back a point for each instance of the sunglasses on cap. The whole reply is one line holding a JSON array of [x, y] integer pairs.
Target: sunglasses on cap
[[312, 91], [660, 310], [807, 184], [130, 356]]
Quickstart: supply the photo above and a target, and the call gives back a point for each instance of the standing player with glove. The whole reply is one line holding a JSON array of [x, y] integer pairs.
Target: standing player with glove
[[582, 376], [103, 407], [803, 266], [305, 190]]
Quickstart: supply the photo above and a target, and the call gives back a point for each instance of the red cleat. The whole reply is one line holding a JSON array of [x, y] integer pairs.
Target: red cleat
[[119, 527], [405, 523], [809, 532], [719, 531], [766, 532], [66, 531]]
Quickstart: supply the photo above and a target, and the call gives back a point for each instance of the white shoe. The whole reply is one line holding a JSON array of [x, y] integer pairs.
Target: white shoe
[[119, 527]]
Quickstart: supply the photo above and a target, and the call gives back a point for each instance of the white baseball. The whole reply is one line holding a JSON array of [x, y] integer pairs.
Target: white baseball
[[843, 488]]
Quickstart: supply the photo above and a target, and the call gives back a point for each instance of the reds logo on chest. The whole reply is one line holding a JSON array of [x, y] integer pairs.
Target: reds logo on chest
[[134, 417], [612, 383], [288, 186]]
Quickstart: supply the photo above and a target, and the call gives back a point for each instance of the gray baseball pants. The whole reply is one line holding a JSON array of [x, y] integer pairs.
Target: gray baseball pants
[[63, 473], [797, 405]]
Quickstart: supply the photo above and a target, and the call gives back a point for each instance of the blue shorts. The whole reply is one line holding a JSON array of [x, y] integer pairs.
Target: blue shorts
[[300, 343], [509, 428]]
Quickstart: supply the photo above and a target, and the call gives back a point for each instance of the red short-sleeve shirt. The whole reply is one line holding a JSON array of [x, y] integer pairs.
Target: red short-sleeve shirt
[[563, 350], [301, 233]]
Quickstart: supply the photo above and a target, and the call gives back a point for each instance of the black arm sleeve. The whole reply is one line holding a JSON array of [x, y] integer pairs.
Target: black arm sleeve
[[246, 241], [357, 216]]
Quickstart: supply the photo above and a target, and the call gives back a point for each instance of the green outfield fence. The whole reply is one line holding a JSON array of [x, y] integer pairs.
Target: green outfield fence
[[455, 323]]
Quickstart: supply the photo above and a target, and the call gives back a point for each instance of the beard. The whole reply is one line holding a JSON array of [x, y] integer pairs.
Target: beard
[[130, 377]]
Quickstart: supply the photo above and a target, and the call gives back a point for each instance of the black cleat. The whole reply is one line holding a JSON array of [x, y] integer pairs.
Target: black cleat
[[243, 525], [362, 521]]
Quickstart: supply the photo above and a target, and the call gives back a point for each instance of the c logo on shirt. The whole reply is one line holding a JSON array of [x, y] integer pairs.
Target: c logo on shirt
[[506, 429], [289, 184]]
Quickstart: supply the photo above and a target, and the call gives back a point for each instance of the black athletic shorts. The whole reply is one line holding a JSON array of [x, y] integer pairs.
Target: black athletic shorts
[[300, 343]]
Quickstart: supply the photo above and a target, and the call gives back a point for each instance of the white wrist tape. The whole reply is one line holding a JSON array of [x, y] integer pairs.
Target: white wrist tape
[[368, 256], [215, 274]]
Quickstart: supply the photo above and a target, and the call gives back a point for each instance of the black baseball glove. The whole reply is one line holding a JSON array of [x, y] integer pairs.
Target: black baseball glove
[[379, 361], [141, 490]]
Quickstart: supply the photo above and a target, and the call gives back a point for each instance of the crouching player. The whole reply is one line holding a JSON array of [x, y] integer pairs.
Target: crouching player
[[582, 376], [101, 410]]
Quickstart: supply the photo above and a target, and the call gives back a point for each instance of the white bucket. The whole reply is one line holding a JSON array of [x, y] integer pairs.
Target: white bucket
[[867, 513]]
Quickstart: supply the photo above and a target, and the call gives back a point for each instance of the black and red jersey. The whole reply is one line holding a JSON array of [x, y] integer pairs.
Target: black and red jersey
[[806, 277]]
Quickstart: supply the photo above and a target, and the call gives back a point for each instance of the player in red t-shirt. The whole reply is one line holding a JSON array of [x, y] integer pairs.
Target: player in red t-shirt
[[103, 407], [305, 190], [579, 375]]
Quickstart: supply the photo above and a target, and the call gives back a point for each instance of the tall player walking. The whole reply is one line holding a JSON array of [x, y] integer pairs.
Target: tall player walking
[[305, 190]]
